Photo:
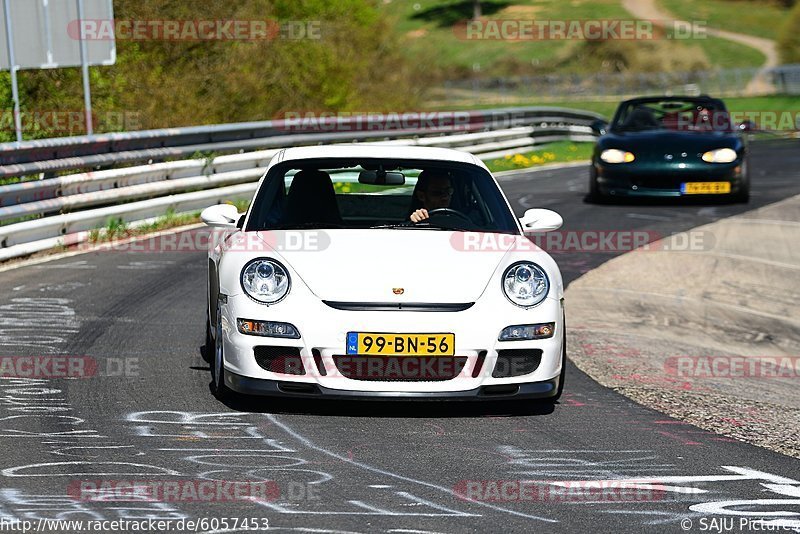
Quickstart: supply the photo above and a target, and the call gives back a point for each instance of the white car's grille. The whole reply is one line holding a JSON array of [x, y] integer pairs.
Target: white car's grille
[[400, 368], [516, 362], [283, 360], [400, 306]]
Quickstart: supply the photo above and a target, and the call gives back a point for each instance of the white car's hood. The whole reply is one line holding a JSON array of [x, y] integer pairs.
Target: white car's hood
[[429, 266]]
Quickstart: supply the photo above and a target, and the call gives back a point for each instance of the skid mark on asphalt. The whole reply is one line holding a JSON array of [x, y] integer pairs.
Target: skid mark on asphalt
[[27, 408], [75, 265], [567, 463], [306, 442], [264, 457], [54, 319], [67, 287], [146, 265], [288, 529], [648, 217], [602, 478], [33, 506]]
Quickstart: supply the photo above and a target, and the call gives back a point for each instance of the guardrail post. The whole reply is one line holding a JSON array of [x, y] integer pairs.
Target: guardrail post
[[87, 87], [12, 65]]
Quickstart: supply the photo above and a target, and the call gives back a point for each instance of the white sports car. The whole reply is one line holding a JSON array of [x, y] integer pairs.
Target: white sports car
[[383, 272]]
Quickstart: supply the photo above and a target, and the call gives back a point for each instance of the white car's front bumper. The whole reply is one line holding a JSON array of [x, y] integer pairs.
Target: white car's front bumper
[[323, 331]]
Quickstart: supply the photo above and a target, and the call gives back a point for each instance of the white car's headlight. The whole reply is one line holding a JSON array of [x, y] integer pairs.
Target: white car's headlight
[[720, 155], [525, 284], [265, 280], [612, 155]]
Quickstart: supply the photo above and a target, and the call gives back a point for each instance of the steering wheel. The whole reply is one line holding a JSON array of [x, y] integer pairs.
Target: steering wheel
[[449, 211]]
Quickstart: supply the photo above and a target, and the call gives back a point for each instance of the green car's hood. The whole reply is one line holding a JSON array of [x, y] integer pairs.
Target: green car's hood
[[656, 144], [661, 140]]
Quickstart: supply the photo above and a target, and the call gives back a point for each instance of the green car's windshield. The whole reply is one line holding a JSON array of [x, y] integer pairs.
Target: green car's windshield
[[701, 115]]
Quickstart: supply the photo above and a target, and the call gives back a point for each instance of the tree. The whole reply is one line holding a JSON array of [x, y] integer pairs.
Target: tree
[[353, 63], [789, 37]]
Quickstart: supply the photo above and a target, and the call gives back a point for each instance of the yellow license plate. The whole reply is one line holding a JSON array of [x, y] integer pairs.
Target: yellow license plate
[[706, 188], [366, 343]]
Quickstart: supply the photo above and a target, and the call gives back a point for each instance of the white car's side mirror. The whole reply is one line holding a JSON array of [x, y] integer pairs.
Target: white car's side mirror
[[220, 216], [541, 220]]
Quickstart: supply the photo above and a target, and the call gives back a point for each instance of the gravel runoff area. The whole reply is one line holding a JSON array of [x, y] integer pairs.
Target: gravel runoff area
[[709, 335]]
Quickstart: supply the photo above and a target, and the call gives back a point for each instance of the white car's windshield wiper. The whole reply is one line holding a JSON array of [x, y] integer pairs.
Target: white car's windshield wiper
[[306, 226], [396, 226], [424, 225]]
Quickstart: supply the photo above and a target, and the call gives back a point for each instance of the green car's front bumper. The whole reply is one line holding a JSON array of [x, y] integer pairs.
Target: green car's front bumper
[[652, 180]]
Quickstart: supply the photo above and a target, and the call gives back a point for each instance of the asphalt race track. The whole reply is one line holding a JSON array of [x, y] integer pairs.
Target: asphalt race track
[[147, 413]]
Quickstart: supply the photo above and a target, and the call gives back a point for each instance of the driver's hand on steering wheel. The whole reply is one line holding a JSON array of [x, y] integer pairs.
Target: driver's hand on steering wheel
[[419, 215]]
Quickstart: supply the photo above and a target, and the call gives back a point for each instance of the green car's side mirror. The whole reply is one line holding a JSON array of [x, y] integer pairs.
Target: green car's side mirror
[[599, 127]]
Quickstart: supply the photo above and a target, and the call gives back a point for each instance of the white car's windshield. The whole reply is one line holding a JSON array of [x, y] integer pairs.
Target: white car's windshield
[[380, 194]]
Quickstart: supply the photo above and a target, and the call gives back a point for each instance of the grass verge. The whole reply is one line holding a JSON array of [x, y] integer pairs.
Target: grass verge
[[761, 19], [428, 27], [118, 229], [559, 152]]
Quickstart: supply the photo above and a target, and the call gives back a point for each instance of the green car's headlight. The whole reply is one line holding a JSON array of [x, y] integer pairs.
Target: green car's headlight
[[612, 155], [720, 155], [525, 284], [265, 281]]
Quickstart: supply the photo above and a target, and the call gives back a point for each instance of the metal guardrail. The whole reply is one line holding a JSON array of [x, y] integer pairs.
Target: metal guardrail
[[76, 204], [74, 228], [87, 189], [14, 196], [59, 154]]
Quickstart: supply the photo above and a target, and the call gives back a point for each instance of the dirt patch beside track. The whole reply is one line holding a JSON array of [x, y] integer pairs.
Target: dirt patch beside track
[[708, 333]]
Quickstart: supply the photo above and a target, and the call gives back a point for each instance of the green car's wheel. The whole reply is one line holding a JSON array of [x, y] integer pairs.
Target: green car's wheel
[[743, 196], [594, 189]]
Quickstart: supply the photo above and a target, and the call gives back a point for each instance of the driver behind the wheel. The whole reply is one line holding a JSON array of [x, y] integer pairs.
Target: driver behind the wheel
[[433, 191]]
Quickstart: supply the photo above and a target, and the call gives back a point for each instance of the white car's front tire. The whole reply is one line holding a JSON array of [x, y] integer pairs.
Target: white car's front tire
[[563, 374], [221, 391]]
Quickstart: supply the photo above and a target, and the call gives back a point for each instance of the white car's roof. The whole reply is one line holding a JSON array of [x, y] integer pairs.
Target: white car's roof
[[367, 150]]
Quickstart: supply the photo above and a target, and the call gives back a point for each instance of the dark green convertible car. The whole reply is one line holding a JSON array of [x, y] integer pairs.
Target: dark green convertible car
[[670, 147]]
